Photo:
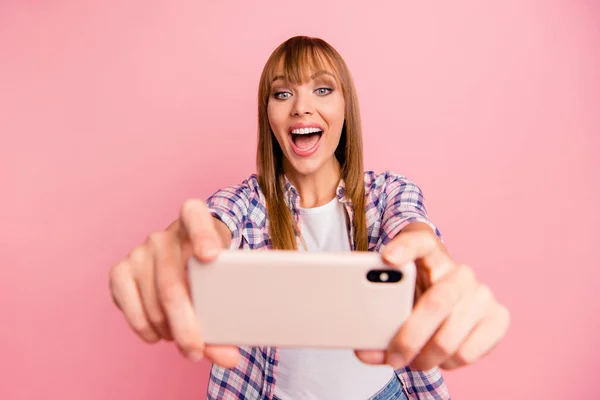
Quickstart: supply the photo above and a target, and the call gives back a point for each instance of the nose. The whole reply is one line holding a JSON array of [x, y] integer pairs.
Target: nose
[[303, 105]]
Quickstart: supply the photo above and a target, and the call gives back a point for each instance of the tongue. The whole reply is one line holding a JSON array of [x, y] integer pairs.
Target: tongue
[[305, 142]]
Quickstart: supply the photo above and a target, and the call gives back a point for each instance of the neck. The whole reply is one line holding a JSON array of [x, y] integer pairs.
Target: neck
[[318, 188]]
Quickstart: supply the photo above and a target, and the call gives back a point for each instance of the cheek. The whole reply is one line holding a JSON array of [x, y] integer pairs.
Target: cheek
[[335, 117], [277, 124], [276, 117]]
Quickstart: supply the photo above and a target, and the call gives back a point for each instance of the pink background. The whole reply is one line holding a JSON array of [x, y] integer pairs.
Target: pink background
[[113, 113]]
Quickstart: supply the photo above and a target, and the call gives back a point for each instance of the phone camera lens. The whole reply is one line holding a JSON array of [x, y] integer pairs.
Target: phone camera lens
[[384, 276]]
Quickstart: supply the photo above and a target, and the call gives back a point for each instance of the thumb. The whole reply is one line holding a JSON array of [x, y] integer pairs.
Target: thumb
[[418, 243], [198, 227]]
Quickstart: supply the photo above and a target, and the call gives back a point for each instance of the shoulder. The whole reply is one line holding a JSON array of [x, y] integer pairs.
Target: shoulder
[[234, 204], [399, 200], [388, 183], [244, 190]]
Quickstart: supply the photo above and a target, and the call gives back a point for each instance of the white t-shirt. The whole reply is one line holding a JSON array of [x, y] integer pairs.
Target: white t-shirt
[[327, 373]]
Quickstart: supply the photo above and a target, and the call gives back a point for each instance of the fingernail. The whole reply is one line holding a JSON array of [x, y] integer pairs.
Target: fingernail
[[207, 247], [395, 360], [210, 251], [195, 355], [394, 255], [378, 358]]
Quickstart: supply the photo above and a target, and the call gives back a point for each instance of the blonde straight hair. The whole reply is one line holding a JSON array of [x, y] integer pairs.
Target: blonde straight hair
[[300, 56]]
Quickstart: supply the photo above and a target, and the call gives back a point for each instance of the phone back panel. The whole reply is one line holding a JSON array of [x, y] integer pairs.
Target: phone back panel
[[299, 299]]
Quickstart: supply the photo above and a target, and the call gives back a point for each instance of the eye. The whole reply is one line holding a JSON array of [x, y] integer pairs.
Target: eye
[[323, 91], [282, 95]]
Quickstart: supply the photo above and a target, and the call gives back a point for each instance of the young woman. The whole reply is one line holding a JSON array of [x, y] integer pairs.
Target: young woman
[[311, 193]]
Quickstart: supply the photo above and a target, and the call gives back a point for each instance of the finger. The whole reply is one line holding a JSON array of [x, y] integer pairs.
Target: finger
[[224, 356], [418, 241], [126, 295], [483, 339], [372, 357], [112, 286], [430, 311], [173, 295], [143, 264], [462, 321], [198, 225]]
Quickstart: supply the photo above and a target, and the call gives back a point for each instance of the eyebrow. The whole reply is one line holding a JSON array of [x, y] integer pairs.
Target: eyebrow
[[313, 76]]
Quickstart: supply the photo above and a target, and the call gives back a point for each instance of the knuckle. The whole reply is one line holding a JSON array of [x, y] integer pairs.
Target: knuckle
[[440, 299], [168, 294], [485, 293], [410, 350], [504, 315], [463, 357], [451, 364], [143, 329], [161, 240], [428, 239], [156, 239], [113, 287], [117, 274], [401, 344], [160, 245], [466, 272], [185, 341], [444, 346], [151, 338], [185, 344], [435, 302], [141, 263], [157, 319], [190, 206], [140, 255]]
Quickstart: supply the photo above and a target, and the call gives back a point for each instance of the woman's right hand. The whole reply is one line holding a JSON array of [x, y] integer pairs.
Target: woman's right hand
[[150, 286]]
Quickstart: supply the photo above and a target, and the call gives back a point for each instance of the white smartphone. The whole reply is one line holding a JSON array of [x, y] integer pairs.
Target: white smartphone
[[301, 299]]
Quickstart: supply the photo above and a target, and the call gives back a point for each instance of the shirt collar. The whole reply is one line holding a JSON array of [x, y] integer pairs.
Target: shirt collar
[[293, 198]]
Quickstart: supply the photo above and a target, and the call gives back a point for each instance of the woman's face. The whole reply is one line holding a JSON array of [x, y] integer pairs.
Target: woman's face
[[307, 120]]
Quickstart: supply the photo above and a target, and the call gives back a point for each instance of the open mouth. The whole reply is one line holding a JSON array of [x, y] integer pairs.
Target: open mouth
[[305, 140]]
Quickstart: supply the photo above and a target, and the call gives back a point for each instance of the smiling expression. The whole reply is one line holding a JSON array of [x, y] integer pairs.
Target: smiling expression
[[307, 120]]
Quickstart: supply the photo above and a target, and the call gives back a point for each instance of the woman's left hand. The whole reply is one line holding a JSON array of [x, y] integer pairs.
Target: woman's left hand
[[455, 321]]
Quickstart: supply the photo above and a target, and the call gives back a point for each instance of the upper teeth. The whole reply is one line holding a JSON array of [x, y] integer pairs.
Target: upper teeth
[[304, 131]]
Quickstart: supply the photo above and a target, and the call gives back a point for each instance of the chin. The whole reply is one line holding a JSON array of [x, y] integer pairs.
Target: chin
[[306, 166]]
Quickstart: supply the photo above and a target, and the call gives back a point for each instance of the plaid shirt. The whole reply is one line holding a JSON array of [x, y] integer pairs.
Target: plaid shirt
[[392, 202]]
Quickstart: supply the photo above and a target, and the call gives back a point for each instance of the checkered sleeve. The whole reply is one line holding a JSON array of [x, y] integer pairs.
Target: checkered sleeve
[[246, 381], [230, 205], [424, 385], [403, 204]]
